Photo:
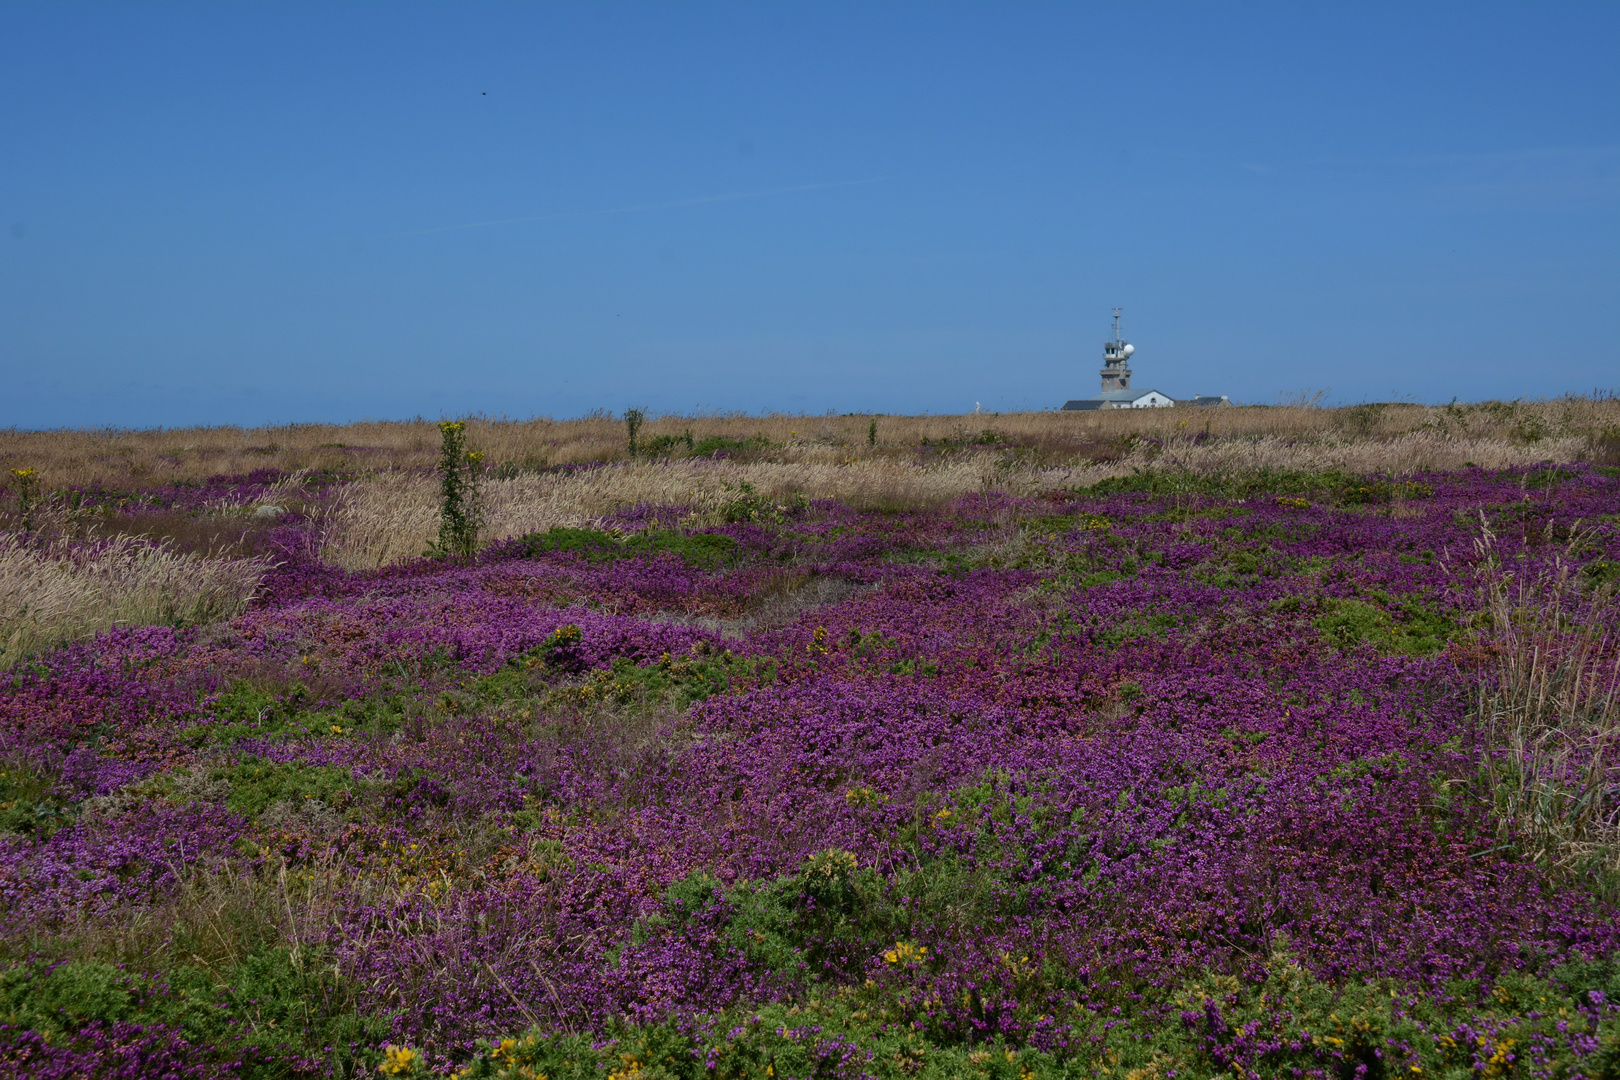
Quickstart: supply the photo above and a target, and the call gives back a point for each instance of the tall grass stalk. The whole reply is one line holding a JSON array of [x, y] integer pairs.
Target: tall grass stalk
[[54, 591], [1551, 718]]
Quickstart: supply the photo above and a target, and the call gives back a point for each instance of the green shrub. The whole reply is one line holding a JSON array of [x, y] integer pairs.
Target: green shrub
[[1241, 568], [270, 1012], [698, 549], [1378, 492], [746, 504], [1549, 476], [672, 683], [1410, 628], [257, 783], [709, 445], [1601, 571], [827, 920], [664, 445], [1204, 1026], [246, 710], [27, 804]]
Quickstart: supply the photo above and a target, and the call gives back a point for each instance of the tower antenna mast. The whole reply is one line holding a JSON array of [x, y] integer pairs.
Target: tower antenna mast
[[1116, 372]]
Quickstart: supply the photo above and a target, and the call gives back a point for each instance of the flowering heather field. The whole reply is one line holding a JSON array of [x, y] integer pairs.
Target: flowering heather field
[[1129, 782]]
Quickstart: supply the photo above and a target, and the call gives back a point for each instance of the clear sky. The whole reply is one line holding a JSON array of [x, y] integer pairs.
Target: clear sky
[[248, 213]]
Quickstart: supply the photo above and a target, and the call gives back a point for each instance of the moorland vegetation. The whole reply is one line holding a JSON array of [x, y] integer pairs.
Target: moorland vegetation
[[1174, 743]]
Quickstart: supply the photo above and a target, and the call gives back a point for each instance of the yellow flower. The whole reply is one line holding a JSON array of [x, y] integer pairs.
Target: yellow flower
[[904, 952], [336, 730], [398, 1061]]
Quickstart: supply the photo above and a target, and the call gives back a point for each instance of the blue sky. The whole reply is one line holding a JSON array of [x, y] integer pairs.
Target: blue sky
[[248, 213]]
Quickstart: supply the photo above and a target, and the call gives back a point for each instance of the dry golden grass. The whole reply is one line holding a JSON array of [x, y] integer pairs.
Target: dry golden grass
[[1416, 451], [52, 591], [153, 458], [1552, 716], [394, 516]]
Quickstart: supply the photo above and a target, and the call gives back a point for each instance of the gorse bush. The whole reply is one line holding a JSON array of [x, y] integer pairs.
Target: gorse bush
[[633, 419], [461, 512], [25, 482]]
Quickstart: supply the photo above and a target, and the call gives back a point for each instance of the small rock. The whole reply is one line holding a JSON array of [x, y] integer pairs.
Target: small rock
[[266, 513]]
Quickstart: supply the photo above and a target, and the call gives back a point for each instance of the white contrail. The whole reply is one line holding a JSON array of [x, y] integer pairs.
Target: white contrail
[[732, 197]]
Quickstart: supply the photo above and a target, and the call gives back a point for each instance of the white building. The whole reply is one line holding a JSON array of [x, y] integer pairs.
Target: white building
[[1116, 383], [1123, 399]]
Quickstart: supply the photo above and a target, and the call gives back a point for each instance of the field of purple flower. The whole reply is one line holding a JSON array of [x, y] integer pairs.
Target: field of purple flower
[[1143, 781]]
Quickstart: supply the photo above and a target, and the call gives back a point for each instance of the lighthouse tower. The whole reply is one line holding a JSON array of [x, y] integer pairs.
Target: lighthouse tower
[[1116, 372]]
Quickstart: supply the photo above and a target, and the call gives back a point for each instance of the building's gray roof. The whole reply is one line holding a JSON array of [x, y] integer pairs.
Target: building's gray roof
[[1111, 397]]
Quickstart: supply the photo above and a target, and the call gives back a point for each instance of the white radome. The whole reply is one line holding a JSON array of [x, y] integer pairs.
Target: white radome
[[1127, 350]]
